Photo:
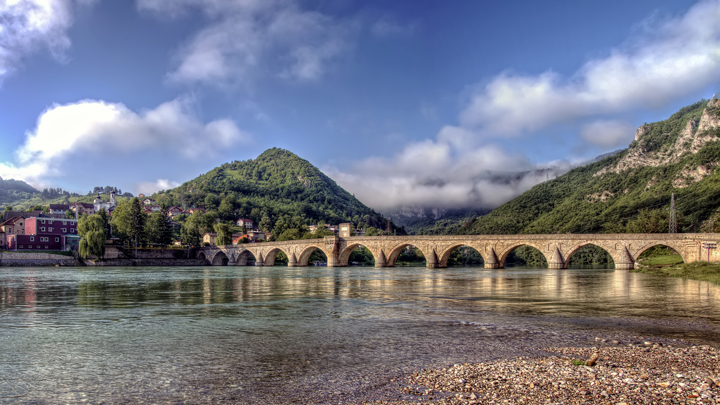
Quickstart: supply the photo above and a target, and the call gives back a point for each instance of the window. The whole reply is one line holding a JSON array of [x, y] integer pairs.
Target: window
[[50, 229], [38, 246], [42, 229], [32, 239], [21, 246], [64, 230], [42, 221], [47, 247], [57, 239], [45, 239]]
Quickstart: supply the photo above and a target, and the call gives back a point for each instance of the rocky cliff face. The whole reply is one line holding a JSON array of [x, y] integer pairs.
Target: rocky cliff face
[[695, 134]]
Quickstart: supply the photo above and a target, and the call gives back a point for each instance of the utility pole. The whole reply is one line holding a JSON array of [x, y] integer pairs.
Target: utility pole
[[673, 218]]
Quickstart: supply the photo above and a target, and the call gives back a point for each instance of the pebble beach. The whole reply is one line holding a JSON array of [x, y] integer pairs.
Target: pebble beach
[[613, 372]]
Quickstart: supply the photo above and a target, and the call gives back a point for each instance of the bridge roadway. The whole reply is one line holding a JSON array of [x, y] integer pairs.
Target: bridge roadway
[[625, 249]]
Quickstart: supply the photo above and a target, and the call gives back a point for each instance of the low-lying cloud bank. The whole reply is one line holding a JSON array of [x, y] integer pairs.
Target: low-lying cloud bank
[[437, 174]]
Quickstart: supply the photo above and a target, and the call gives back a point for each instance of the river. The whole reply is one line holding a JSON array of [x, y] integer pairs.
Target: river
[[309, 335]]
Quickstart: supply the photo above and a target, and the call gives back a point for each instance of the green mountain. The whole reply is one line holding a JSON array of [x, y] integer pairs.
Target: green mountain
[[277, 183], [629, 191]]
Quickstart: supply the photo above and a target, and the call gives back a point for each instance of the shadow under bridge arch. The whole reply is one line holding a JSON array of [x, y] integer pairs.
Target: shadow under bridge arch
[[523, 254], [461, 254], [358, 253], [409, 254], [588, 254], [318, 257]]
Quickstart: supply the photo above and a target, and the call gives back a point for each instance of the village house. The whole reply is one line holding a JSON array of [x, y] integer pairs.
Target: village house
[[83, 208], [194, 210], [44, 234], [175, 211], [252, 237], [211, 236], [245, 223], [58, 208], [148, 201], [12, 226]]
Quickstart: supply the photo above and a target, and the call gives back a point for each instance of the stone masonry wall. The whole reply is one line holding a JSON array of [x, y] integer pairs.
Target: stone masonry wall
[[22, 259]]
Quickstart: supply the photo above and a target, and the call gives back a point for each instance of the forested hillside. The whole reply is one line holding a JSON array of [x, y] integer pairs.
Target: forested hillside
[[276, 184], [629, 191]]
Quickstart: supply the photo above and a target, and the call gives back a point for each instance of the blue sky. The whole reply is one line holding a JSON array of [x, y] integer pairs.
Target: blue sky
[[403, 103]]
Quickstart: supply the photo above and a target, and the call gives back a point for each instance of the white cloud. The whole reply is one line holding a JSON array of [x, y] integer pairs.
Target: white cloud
[[248, 38], [608, 133], [445, 173], [150, 187], [27, 26], [669, 60], [387, 27], [91, 128]]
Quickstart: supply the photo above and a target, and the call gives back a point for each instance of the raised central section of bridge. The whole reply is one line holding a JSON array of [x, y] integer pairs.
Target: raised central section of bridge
[[624, 248]]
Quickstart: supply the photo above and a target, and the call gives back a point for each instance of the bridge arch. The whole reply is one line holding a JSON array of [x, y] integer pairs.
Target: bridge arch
[[245, 257], [397, 249], [220, 259], [445, 255], [307, 251], [344, 256], [677, 247], [272, 255], [574, 249], [201, 255], [504, 255]]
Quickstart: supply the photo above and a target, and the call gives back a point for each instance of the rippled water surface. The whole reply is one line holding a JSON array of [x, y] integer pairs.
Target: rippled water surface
[[315, 335]]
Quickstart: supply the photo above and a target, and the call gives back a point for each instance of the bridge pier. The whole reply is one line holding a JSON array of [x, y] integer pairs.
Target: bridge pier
[[557, 261], [491, 261]]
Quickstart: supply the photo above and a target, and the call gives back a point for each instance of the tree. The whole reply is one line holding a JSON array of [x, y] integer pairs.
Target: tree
[[92, 232], [129, 219], [226, 209], [190, 231], [224, 236], [69, 214], [9, 208], [370, 231], [265, 224], [158, 228]]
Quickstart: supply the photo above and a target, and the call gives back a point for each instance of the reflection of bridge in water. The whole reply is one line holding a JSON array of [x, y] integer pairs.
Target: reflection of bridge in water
[[625, 249]]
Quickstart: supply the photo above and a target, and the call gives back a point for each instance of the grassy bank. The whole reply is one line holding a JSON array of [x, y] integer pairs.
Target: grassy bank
[[702, 271]]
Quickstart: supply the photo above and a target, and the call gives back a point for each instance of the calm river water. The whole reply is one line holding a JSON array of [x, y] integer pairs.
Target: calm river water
[[308, 335]]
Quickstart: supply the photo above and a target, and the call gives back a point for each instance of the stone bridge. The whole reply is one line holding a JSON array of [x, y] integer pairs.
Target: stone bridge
[[557, 248]]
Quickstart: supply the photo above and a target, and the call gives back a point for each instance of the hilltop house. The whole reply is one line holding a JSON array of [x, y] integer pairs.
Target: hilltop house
[[148, 201], [245, 223], [175, 211]]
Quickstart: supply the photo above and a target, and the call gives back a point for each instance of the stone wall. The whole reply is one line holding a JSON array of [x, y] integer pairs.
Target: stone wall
[[22, 259], [145, 262]]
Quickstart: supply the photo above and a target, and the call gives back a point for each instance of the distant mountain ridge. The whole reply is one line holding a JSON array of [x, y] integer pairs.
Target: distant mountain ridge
[[16, 185], [679, 155]]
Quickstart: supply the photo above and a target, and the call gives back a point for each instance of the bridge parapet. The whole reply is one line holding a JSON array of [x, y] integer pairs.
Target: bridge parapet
[[495, 249]]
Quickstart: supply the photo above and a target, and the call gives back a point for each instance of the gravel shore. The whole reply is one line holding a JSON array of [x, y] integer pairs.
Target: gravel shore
[[641, 372]]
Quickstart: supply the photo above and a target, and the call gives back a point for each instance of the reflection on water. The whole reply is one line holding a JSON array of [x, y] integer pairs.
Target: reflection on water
[[239, 333]]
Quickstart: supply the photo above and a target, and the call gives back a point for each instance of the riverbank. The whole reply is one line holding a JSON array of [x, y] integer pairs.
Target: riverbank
[[641, 372], [701, 271]]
